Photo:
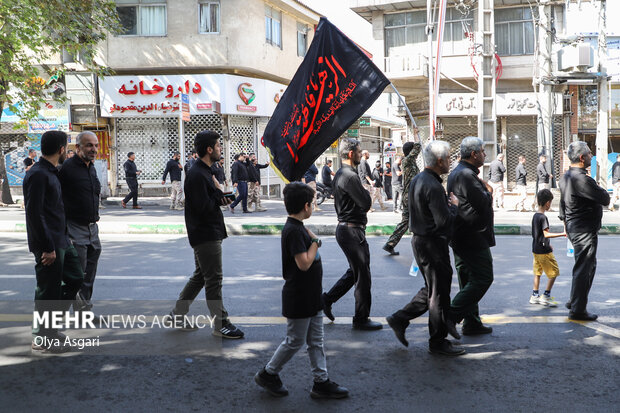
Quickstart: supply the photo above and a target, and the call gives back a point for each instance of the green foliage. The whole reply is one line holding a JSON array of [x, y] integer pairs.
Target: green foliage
[[32, 32]]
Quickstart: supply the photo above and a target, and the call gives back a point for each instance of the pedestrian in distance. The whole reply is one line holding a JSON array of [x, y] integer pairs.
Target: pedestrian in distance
[[70, 153], [174, 168], [59, 273], [352, 202], [239, 178], [581, 209], [521, 184], [397, 184], [615, 179], [473, 236], [310, 179], [327, 174], [191, 160], [80, 194], [29, 160], [302, 271], [544, 260], [219, 173], [496, 180], [377, 183], [255, 186], [431, 216], [543, 177], [205, 231], [409, 170], [387, 181], [131, 177]]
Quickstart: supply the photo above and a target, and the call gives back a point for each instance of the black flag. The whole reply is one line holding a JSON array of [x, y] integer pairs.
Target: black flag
[[335, 84]]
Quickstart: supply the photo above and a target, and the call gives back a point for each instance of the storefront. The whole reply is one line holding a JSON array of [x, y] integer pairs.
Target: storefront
[[146, 115]]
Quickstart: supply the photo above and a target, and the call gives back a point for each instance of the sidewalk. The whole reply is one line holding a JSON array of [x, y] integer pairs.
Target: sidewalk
[[156, 218]]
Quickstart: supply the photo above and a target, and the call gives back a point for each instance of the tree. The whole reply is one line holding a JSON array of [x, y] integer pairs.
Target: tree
[[32, 33]]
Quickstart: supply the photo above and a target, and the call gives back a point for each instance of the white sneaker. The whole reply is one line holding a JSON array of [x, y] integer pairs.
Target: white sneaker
[[535, 299], [547, 301]]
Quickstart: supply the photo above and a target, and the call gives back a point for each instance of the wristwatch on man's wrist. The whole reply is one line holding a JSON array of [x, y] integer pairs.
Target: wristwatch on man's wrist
[[318, 242]]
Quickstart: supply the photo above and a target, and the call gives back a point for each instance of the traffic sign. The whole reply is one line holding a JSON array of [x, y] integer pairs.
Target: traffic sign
[[185, 107]]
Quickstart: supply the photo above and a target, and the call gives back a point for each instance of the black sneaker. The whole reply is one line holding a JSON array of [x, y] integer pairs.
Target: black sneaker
[[477, 330], [390, 249], [367, 325], [327, 308], [271, 383], [446, 349], [399, 328], [585, 316], [328, 390], [179, 322], [228, 330]]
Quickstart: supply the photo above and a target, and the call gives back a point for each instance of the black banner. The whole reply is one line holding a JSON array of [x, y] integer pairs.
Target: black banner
[[335, 84]]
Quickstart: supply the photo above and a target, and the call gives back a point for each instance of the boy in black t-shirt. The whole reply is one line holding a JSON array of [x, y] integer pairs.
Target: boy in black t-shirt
[[301, 299], [542, 250]]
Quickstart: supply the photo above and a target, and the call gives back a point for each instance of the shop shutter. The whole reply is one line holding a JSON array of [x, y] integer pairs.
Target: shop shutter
[[521, 132]]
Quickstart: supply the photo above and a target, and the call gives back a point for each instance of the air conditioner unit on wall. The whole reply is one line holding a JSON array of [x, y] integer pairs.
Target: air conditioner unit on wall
[[576, 58]]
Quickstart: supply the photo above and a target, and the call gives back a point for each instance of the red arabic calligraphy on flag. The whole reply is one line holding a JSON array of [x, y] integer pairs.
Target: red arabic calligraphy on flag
[[335, 84]]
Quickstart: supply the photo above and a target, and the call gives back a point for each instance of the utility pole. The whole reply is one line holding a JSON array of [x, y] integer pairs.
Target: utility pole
[[602, 128], [487, 127], [430, 29], [545, 115]]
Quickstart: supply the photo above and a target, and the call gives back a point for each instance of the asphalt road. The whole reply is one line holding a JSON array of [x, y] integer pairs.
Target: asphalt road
[[535, 358]]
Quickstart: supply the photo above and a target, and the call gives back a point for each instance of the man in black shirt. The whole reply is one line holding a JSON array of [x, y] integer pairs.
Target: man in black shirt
[[326, 174], [218, 172], [473, 236], [615, 180], [377, 179], [431, 216], [191, 160], [387, 181], [58, 271], [521, 181], [352, 203], [80, 195], [254, 191], [29, 160], [131, 176], [174, 168], [581, 209], [205, 230], [542, 175], [397, 183], [496, 180], [239, 178]]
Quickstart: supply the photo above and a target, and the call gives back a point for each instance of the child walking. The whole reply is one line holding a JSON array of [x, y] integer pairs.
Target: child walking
[[301, 299], [544, 260]]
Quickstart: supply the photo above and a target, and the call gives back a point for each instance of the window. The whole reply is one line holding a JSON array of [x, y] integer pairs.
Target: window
[[273, 26], [142, 17], [302, 39], [514, 31], [209, 17], [402, 29]]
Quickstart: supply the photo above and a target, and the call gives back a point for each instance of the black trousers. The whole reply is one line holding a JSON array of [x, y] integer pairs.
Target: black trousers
[[585, 245], [433, 259], [242, 188], [132, 183], [387, 186], [352, 241]]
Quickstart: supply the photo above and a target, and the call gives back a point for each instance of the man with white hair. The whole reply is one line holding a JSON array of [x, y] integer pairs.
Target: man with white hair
[[473, 236], [80, 194], [431, 216], [581, 209]]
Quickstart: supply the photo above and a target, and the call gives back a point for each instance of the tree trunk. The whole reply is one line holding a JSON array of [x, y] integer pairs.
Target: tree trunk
[[6, 189]]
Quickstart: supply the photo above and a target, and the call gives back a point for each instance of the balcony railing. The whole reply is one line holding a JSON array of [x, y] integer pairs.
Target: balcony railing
[[407, 65]]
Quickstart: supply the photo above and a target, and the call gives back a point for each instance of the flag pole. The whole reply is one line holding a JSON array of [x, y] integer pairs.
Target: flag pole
[[402, 100]]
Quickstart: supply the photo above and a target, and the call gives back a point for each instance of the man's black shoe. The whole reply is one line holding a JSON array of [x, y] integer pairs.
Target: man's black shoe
[[582, 316], [390, 249], [452, 329], [328, 390], [367, 325], [477, 330], [446, 349], [567, 305], [399, 328], [271, 383], [327, 308]]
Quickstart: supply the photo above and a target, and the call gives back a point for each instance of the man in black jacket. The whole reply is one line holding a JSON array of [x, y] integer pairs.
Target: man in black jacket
[[131, 176], [58, 270], [254, 191], [473, 236], [496, 180], [80, 195], [352, 202], [542, 175], [581, 209], [174, 168], [239, 178], [615, 180], [205, 230], [431, 216]]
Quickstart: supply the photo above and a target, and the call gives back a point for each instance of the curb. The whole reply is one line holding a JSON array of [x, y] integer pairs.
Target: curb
[[276, 229]]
